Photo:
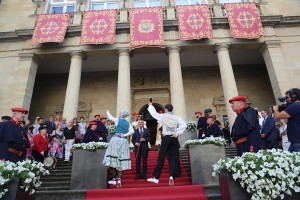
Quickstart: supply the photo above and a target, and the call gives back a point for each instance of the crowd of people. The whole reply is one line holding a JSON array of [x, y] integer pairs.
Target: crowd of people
[[275, 127]]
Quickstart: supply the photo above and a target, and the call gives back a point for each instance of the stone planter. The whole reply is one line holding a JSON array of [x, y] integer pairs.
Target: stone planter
[[202, 157], [187, 135], [231, 189], [16, 193], [88, 172]]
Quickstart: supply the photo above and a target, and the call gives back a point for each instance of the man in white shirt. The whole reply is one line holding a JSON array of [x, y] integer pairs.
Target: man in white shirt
[[172, 127]]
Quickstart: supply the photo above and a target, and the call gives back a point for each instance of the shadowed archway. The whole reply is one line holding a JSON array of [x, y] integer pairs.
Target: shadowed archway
[[151, 122]]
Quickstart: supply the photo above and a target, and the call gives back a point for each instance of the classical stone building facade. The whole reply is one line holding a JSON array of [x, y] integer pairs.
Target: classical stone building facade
[[82, 80]]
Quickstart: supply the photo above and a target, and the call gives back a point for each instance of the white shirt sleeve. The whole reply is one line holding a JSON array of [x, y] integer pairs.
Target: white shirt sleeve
[[154, 114], [110, 117], [181, 126], [130, 131]]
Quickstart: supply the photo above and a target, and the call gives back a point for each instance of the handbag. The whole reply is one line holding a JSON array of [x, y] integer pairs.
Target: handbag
[[78, 136]]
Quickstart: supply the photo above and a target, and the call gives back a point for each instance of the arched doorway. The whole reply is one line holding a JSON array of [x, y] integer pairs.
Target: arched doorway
[[151, 122]]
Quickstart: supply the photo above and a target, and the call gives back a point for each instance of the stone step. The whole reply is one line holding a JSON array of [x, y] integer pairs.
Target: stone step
[[60, 194], [55, 178], [56, 183], [45, 188]]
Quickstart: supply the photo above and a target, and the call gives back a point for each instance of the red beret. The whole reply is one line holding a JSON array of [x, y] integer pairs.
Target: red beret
[[134, 114], [96, 115], [20, 110], [238, 98], [103, 117], [198, 112], [210, 116], [93, 123]]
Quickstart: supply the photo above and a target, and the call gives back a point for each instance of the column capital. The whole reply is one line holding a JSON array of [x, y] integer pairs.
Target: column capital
[[222, 46], [29, 56], [122, 51], [79, 53], [270, 44], [171, 49]]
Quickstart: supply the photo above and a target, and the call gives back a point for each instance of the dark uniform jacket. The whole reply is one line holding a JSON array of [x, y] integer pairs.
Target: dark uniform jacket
[[246, 125], [102, 131], [213, 130], [201, 126], [90, 136], [15, 137]]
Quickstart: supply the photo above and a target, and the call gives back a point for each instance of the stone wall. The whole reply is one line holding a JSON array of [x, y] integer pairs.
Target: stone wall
[[201, 85]]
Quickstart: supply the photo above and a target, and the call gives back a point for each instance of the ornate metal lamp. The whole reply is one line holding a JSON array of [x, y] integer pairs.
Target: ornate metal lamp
[[37, 4]]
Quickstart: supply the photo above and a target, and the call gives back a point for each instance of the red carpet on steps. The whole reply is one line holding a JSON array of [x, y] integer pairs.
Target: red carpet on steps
[[141, 189]]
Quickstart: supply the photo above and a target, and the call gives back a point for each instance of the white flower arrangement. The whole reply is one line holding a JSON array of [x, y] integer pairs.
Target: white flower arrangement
[[91, 146], [267, 174], [111, 128], [28, 171], [191, 126], [208, 140]]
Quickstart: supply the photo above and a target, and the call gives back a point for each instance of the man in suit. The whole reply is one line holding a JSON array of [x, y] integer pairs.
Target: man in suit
[[50, 125], [140, 139], [269, 132]]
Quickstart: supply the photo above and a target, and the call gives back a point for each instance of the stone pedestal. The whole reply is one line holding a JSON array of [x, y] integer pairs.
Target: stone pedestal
[[234, 191], [88, 172], [187, 135], [202, 157], [15, 192]]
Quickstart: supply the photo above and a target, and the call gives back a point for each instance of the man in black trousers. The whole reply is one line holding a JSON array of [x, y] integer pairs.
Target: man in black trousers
[[172, 127], [140, 139]]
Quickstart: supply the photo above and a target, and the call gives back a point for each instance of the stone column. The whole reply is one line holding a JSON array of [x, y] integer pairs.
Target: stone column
[[176, 83], [277, 70], [228, 80], [73, 87], [123, 93], [24, 79]]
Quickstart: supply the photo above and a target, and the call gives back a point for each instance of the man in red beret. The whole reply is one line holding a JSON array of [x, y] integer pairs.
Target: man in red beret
[[245, 130], [213, 128], [201, 125], [13, 137], [91, 134]]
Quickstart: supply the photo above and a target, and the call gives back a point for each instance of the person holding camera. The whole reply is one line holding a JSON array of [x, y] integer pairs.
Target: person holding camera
[[292, 113]]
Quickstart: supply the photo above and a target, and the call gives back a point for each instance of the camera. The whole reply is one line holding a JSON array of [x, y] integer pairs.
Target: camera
[[284, 105]]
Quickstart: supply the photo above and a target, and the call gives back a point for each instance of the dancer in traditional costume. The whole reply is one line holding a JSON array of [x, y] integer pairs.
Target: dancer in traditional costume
[[117, 156]]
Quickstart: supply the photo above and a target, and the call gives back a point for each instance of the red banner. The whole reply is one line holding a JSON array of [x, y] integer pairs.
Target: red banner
[[98, 27], [50, 28], [244, 20], [146, 27], [194, 22]]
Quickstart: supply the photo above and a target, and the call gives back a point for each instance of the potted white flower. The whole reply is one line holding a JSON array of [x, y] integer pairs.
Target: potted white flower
[[203, 153], [87, 159], [267, 174], [190, 132], [20, 179]]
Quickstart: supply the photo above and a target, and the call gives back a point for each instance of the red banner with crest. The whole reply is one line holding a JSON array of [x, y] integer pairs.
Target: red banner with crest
[[244, 20], [98, 27], [50, 28], [194, 22], [146, 27]]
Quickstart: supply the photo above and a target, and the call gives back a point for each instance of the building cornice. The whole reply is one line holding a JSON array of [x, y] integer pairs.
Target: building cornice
[[123, 27]]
